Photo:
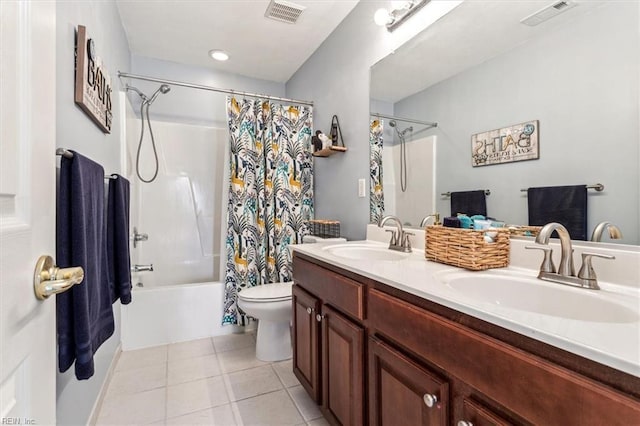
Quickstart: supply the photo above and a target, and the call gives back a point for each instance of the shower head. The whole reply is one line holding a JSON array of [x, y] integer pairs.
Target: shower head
[[407, 130], [162, 89], [401, 134], [134, 89]]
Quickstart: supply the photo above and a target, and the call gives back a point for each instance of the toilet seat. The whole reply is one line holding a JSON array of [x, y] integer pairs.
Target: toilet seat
[[275, 292]]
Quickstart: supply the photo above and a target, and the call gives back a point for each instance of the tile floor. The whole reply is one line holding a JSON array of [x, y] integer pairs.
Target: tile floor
[[216, 381]]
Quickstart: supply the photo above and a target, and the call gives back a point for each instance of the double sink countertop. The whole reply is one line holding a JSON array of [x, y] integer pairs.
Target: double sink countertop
[[601, 325]]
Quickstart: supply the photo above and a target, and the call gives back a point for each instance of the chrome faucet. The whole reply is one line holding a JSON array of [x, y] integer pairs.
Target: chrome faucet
[[565, 274], [142, 268], [614, 231], [399, 238], [566, 259], [436, 220]]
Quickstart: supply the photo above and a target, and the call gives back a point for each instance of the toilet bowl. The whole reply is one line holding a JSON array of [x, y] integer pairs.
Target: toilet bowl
[[271, 305]]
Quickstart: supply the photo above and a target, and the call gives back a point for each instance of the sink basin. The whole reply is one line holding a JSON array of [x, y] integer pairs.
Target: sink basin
[[365, 252], [532, 295]]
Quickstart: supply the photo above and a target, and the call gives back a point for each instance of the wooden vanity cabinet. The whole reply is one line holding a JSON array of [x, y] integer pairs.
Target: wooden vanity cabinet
[[329, 342], [379, 356]]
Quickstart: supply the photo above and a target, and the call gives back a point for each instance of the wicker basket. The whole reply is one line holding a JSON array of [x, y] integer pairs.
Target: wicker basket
[[324, 228], [524, 231], [466, 248]]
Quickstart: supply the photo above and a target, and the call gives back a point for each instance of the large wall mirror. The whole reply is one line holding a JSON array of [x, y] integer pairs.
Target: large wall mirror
[[478, 69]]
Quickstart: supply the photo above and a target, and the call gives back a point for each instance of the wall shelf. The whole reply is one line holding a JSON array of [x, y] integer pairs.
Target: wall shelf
[[329, 151]]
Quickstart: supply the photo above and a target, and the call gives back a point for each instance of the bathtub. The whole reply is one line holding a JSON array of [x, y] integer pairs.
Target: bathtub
[[168, 314]]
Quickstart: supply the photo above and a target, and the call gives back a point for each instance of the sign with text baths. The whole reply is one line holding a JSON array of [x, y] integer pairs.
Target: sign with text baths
[[506, 145]]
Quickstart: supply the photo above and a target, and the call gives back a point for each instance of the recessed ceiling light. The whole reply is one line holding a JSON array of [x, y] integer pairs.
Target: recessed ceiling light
[[219, 55]]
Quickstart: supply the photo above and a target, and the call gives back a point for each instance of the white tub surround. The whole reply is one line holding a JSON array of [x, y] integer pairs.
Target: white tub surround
[[615, 344], [170, 314]]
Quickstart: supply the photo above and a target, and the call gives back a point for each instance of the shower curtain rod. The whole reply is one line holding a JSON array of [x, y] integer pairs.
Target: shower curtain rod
[[209, 88], [407, 120]]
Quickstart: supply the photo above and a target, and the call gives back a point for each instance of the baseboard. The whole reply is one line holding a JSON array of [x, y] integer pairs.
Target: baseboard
[[93, 418]]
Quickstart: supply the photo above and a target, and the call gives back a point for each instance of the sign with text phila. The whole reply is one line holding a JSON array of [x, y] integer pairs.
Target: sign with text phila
[[93, 85], [514, 143]]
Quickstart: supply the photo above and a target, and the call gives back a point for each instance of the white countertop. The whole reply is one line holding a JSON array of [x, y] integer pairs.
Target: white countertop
[[613, 344]]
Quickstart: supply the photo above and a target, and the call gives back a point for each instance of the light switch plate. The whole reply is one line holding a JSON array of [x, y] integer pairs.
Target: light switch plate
[[361, 188]]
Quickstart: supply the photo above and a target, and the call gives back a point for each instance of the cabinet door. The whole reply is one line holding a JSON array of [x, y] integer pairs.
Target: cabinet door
[[342, 368], [306, 352], [402, 392]]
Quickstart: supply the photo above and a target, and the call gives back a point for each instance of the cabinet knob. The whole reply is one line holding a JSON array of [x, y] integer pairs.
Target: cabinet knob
[[430, 400], [319, 317], [464, 423], [309, 311]]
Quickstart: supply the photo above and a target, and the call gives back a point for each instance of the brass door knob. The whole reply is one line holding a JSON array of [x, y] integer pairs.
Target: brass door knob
[[48, 279]]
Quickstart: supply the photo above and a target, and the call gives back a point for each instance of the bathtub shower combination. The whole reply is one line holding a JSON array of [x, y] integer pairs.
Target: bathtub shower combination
[[188, 181], [180, 214]]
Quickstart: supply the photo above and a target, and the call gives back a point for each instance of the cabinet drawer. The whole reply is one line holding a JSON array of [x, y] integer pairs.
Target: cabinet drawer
[[531, 387], [342, 293]]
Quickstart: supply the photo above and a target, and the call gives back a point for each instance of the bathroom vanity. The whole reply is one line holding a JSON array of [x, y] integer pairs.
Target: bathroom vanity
[[371, 350]]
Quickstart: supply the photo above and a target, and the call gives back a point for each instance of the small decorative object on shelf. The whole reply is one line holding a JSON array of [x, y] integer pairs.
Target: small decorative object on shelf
[[329, 144]]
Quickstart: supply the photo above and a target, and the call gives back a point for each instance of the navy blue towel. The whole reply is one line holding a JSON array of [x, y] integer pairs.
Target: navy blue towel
[[84, 313], [566, 205], [118, 239], [469, 203]]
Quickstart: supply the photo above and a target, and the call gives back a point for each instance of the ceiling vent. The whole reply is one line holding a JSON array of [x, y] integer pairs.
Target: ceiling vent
[[284, 11], [548, 12]]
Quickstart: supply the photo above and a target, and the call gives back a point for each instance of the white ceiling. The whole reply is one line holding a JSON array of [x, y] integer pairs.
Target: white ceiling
[[472, 33], [184, 32]]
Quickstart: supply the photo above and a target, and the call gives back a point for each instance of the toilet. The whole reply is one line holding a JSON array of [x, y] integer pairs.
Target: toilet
[[271, 305]]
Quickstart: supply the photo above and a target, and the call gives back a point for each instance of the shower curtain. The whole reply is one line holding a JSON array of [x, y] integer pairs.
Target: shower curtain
[[270, 193], [376, 194]]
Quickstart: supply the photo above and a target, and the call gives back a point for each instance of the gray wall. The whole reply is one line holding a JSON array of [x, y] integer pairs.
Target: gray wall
[[191, 105], [581, 82], [336, 78], [75, 130]]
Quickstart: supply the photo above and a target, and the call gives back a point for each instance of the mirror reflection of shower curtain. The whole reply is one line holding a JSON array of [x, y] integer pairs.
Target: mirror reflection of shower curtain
[[270, 193], [376, 193]]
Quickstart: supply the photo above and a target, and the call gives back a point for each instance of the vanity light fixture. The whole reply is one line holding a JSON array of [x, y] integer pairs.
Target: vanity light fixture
[[393, 18], [219, 55]]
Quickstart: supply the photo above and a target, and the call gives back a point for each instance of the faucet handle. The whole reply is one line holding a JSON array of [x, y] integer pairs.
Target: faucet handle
[[586, 270], [547, 263]]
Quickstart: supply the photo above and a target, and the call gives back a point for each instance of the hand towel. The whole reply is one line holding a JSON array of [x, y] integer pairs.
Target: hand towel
[[566, 205], [469, 203], [84, 313], [118, 239]]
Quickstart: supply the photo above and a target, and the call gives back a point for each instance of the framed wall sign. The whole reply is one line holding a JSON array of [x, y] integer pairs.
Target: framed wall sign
[[93, 84], [518, 142]]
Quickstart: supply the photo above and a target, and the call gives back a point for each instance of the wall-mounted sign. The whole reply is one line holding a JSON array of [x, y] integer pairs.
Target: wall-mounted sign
[[93, 84], [514, 143]]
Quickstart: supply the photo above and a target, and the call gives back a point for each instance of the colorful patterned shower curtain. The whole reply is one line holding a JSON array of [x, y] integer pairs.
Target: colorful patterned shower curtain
[[376, 195], [270, 194]]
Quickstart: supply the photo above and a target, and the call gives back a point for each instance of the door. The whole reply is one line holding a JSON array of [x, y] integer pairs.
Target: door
[[306, 353], [342, 368], [402, 392], [27, 210]]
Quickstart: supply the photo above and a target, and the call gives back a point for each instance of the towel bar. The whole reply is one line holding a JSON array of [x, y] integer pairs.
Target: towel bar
[[598, 187], [448, 194], [68, 154]]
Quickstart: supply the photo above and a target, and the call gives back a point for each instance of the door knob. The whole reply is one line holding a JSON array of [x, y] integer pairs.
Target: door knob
[[48, 279]]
